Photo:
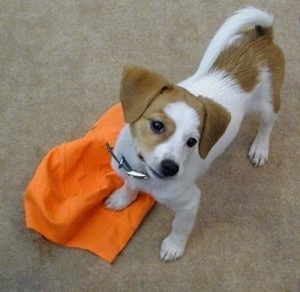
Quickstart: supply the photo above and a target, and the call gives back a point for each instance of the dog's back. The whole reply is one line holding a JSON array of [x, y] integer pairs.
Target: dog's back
[[252, 51]]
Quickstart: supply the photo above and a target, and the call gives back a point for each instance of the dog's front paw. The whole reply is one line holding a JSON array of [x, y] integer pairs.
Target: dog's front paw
[[172, 249], [259, 151], [120, 199]]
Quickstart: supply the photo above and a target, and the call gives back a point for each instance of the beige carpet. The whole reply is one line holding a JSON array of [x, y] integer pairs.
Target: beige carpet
[[61, 63]]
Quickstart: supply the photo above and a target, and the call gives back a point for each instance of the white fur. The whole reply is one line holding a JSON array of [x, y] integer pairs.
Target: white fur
[[187, 122], [180, 192]]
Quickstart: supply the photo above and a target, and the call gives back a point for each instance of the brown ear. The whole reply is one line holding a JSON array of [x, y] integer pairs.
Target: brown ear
[[138, 88], [216, 120]]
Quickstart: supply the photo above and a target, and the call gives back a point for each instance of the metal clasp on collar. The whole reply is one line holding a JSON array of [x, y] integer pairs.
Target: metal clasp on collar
[[124, 164]]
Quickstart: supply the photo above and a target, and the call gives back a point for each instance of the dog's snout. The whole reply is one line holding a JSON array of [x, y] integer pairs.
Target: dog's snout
[[169, 167]]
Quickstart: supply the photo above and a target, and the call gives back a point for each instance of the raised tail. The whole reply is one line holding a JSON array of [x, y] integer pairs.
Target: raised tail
[[248, 16]]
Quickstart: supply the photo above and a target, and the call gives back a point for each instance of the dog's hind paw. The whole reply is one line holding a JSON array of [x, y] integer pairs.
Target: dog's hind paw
[[259, 151], [171, 249]]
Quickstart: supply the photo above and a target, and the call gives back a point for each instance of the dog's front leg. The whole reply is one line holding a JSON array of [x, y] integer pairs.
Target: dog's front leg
[[121, 198], [173, 246]]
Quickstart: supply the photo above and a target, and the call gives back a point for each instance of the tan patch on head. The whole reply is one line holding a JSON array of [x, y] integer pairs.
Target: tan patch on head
[[146, 140]]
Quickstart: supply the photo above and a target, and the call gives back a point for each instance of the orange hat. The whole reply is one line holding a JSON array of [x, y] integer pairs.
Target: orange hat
[[64, 200]]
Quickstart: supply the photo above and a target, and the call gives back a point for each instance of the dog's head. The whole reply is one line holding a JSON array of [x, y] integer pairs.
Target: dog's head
[[167, 122]]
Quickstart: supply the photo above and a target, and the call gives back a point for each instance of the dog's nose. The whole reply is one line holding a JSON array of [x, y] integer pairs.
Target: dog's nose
[[169, 167]]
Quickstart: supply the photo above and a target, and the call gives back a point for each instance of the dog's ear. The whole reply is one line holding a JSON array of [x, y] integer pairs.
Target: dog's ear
[[138, 88], [215, 122]]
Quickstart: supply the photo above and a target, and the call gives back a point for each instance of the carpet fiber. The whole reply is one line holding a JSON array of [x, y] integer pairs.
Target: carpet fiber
[[61, 63]]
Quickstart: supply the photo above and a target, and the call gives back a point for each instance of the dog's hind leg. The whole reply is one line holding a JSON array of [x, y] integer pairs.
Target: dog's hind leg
[[267, 104], [259, 150]]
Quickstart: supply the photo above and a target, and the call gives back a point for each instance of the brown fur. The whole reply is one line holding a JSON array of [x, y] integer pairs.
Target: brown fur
[[145, 139], [216, 121], [244, 58], [140, 129], [138, 88]]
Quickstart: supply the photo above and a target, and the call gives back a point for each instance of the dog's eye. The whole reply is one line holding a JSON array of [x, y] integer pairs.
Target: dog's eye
[[192, 142], [157, 127]]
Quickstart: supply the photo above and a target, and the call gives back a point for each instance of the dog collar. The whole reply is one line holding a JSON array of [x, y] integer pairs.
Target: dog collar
[[124, 164]]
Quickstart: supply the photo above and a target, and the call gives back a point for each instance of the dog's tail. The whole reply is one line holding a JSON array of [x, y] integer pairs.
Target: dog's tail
[[248, 16]]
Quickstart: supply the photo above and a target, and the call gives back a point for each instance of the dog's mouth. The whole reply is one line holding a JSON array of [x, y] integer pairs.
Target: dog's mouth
[[154, 172], [168, 169]]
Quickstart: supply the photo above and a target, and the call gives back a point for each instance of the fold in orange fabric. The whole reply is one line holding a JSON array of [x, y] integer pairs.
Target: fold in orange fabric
[[64, 200]]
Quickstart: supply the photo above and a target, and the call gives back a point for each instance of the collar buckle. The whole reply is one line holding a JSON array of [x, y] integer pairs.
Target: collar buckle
[[124, 164]]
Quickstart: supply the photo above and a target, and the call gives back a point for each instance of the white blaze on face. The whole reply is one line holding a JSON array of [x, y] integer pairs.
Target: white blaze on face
[[187, 124]]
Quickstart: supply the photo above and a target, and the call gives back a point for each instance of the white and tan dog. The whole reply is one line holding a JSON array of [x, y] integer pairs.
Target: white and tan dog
[[174, 132]]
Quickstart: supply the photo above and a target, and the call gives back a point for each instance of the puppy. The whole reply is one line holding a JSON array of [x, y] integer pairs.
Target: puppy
[[174, 132]]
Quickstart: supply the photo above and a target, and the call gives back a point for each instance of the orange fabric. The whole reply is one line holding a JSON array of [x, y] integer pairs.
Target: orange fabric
[[64, 200]]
